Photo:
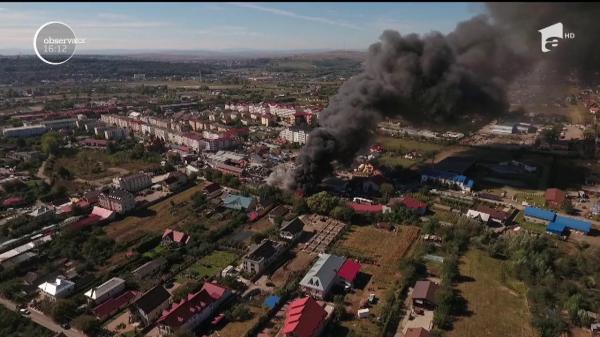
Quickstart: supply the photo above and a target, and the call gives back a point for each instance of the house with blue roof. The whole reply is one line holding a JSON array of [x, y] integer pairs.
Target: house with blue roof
[[448, 179], [239, 202]]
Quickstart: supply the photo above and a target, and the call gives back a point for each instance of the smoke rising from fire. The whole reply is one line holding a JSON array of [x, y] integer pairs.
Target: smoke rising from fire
[[433, 78]]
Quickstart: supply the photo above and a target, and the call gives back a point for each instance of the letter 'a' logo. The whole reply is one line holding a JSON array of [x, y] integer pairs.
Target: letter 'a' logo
[[550, 36]]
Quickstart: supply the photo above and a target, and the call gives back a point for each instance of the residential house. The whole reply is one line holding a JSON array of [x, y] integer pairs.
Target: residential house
[[60, 288], [262, 255], [368, 209], [411, 203], [150, 306], [348, 272], [113, 305], [106, 290], [305, 317], [423, 295], [292, 230], [417, 332], [239, 202], [554, 197], [326, 272], [149, 268], [212, 190], [277, 213], [173, 238], [489, 215], [175, 181], [193, 310]]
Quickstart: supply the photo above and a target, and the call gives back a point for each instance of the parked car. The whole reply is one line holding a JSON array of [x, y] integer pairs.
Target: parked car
[[24, 311]]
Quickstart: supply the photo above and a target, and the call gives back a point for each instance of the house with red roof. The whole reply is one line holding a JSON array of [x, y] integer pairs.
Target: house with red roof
[[554, 197], [348, 272], [173, 238], [368, 209], [411, 203], [305, 317], [193, 309], [417, 332], [12, 201], [113, 305]]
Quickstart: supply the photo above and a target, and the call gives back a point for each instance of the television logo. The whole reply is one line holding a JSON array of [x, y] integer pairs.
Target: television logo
[[551, 36]]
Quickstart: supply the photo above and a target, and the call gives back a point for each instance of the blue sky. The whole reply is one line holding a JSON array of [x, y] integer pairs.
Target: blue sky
[[217, 26]]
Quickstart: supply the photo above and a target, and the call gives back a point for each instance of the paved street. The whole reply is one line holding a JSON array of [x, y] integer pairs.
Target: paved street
[[43, 320]]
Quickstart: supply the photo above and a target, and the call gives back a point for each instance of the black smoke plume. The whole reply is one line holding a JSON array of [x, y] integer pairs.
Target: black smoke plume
[[433, 78]]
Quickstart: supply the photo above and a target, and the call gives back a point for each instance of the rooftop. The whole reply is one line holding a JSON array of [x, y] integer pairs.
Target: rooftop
[[99, 291], [304, 317], [323, 273], [425, 290]]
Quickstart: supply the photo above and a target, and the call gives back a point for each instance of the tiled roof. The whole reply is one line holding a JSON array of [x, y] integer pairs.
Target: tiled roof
[[304, 318], [192, 305]]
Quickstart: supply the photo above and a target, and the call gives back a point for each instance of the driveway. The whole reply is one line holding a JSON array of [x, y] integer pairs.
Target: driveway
[[43, 320]]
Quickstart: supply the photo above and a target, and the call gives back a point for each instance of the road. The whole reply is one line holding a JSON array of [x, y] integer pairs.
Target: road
[[43, 320]]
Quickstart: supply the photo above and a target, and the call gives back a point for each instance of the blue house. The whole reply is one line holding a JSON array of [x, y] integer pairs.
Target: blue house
[[239, 202]]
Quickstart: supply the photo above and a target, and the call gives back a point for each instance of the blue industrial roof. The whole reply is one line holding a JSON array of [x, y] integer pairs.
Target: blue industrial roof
[[556, 228], [449, 176], [540, 213], [572, 223]]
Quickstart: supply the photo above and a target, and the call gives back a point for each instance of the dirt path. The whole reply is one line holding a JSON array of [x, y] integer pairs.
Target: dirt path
[[40, 172]]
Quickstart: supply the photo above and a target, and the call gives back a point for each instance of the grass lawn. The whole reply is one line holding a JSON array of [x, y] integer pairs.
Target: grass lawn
[[156, 218], [387, 249], [91, 164], [404, 145], [497, 301], [156, 252], [394, 160], [209, 265], [534, 198]]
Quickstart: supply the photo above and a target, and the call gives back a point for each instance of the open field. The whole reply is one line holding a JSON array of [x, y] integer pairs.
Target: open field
[[404, 145], [94, 164], [302, 261], [155, 218], [386, 249], [237, 329], [393, 160], [209, 265], [497, 301]]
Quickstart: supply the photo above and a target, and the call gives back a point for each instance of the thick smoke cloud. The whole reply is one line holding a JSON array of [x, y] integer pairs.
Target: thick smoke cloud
[[433, 78]]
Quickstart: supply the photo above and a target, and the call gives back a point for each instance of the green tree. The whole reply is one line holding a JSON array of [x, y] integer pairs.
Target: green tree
[[386, 190], [322, 203], [51, 143], [63, 309], [86, 323]]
